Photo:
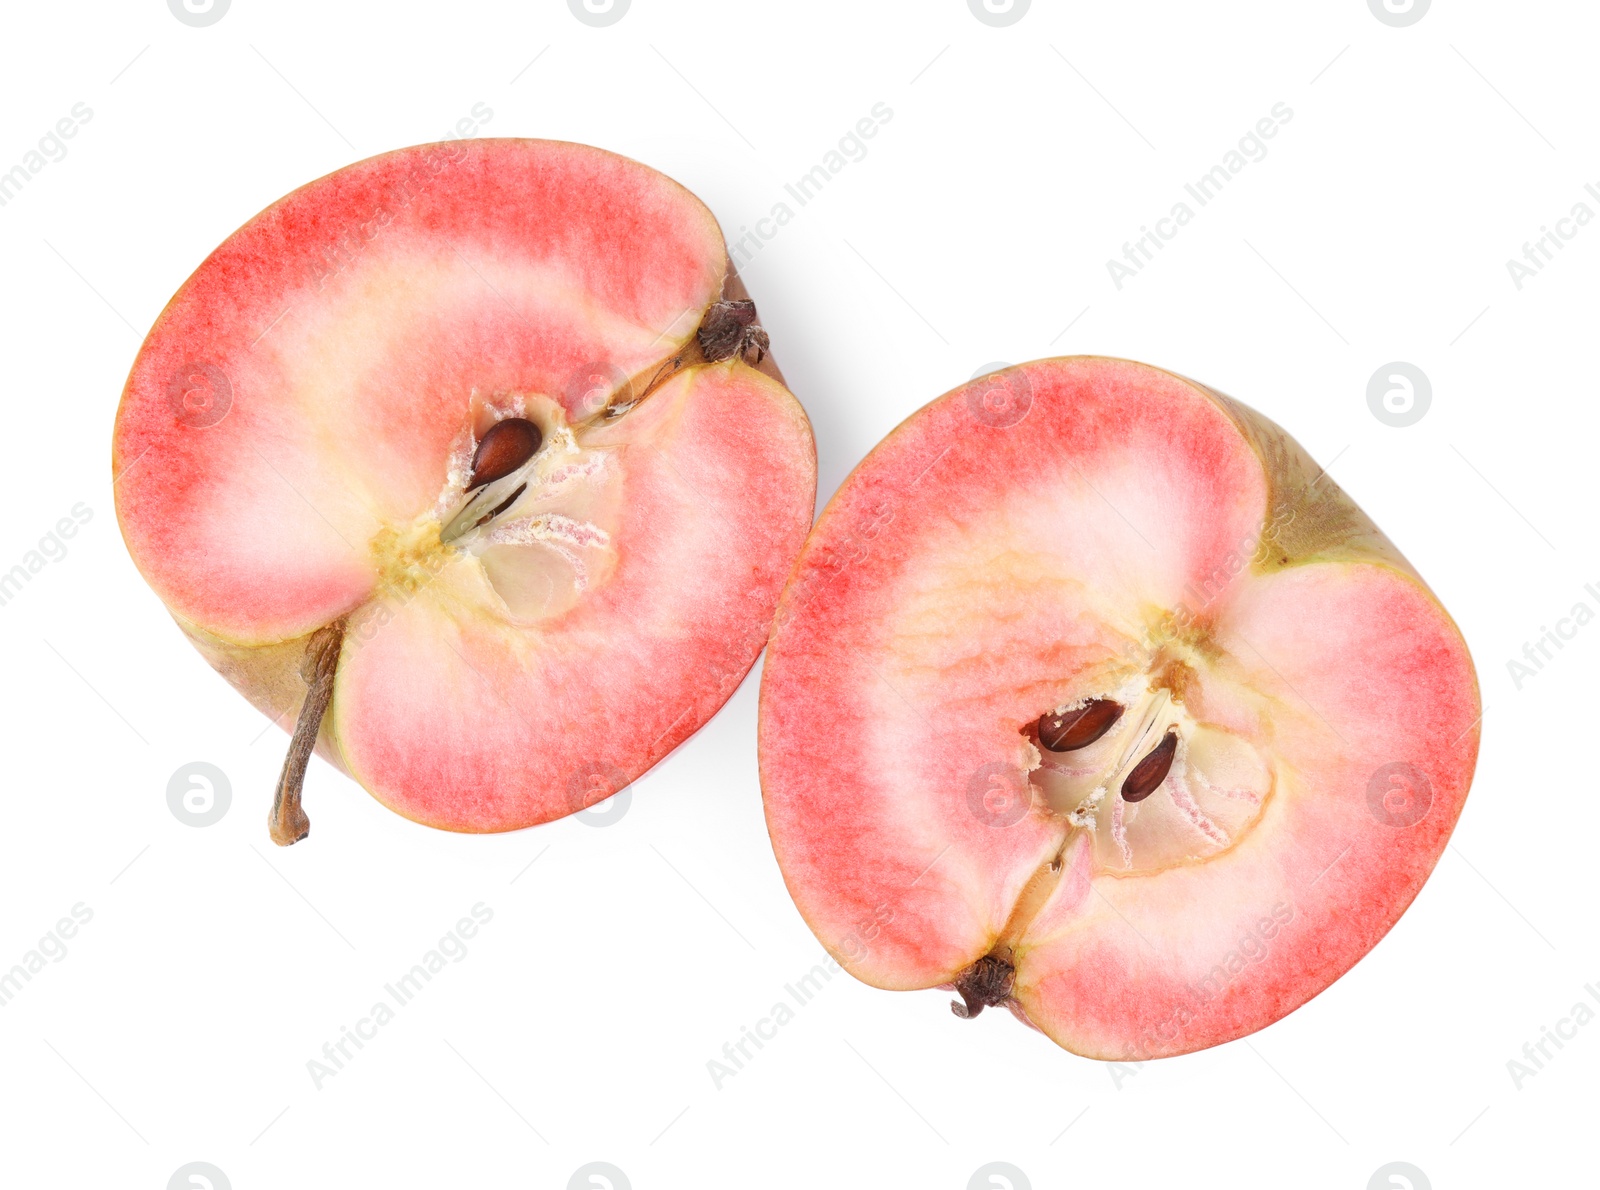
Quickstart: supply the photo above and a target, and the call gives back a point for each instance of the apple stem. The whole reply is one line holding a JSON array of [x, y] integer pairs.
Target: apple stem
[[287, 822]]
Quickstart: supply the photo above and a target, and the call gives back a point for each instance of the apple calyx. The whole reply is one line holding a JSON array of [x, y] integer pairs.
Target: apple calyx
[[985, 984], [287, 821], [730, 328]]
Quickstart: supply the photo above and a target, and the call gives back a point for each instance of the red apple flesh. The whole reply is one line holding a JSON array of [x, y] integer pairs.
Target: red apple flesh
[[504, 625], [1093, 696]]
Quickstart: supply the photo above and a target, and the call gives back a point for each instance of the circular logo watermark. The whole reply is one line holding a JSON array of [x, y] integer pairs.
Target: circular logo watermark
[[1399, 1175], [997, 397], [199, 1175], [999, 794], [594, 386], [998, 1175], [598, 794], [1399, 394], [607, 812], [599, 13], [199, 794], [199, 13], [1399, 795], [200, 395], [999, 13], [1399, 13], [598, 1175]]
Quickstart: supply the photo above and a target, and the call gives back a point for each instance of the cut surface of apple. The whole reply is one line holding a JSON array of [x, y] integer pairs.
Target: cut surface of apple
[[1093, 696], [480, 444]]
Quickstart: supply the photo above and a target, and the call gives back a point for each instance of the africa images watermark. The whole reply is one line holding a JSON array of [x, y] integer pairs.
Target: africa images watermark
[[802, 991], [52, 946], [351, 240], [1251, 148], [52, 547], [1539, 253], [1251, 550], [849, 149], [1537, 1054], [1537, 653], [51, 148], [998, 396], [452, 946], [1251, 947]]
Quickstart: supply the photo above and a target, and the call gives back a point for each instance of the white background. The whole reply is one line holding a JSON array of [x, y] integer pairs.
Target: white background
[[977, 228]]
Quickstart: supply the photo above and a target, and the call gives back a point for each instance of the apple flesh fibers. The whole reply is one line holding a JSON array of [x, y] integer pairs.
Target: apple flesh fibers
[[955, 801], [496, 627]]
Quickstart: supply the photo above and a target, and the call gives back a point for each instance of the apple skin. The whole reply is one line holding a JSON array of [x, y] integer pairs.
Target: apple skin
[[300, 404], [1024, 543]]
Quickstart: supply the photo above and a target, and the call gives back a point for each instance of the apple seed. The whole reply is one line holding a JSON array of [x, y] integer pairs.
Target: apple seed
[[506, 446], [1080, 727], [1146, 776]]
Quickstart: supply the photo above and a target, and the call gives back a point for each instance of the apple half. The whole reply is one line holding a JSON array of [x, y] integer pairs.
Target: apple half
[[1093, 696], [470, 460]]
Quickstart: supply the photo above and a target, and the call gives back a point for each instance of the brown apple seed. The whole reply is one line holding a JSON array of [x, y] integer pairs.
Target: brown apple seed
[[1146, 776], [507, 445], [1080, 727]]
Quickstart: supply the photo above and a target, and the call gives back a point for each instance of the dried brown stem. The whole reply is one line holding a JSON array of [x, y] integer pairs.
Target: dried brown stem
[[287, 822]]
